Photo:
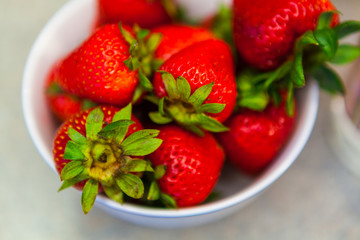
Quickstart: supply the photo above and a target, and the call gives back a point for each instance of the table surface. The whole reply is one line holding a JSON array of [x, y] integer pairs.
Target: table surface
[[317, 198]]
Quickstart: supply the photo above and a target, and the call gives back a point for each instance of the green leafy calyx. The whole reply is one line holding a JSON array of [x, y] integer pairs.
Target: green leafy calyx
[[186, 108], [106, 156], [142, 46], [155, 193]]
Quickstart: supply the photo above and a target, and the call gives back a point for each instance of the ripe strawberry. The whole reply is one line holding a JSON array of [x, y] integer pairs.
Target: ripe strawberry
[[256, 137], [100, 150], [265, 31], [204, 93], [146, 13], [193, 164], [176, 37], [63, 104], [106, 67]]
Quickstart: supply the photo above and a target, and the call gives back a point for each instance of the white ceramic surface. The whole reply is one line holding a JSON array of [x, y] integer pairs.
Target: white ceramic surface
[[68, 27], [344, 136]]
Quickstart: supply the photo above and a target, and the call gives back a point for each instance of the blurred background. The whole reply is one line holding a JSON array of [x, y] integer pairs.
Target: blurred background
[[317, 198]]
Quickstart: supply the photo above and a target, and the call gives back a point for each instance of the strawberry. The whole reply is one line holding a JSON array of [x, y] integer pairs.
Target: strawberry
[[285, 41], [255, 138], [63, 104], [108, 66], [204, 92], [100, 149], [265, 31], [146, 13], [193, 165], [176, 37]]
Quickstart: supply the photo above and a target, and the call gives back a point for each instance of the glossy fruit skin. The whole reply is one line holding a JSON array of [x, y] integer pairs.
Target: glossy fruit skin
[[176, 37], [62, 104], [193, 164], [200, 64], [265, 31], [145, 13], [78, 123], [256, 138], [96, 69]]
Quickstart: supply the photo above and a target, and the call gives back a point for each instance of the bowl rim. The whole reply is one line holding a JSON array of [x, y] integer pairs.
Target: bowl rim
[[259, 185]]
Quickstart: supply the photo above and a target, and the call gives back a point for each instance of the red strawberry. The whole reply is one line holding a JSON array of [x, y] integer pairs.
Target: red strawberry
[[63, 104], [105, 67], [193, 164], [96, 70], [265, 31], [255, 138], [204, 93], [146, 13], [176, 37], [100, 149]]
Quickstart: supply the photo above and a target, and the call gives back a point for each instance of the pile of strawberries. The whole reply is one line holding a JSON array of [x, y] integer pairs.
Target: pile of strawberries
[[150, 106]]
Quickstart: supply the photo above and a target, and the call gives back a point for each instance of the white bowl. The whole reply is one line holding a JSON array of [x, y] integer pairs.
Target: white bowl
[[344, 136], [68, 28]]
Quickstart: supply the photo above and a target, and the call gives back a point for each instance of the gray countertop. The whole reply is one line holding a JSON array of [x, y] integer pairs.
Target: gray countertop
[[317, 198]]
